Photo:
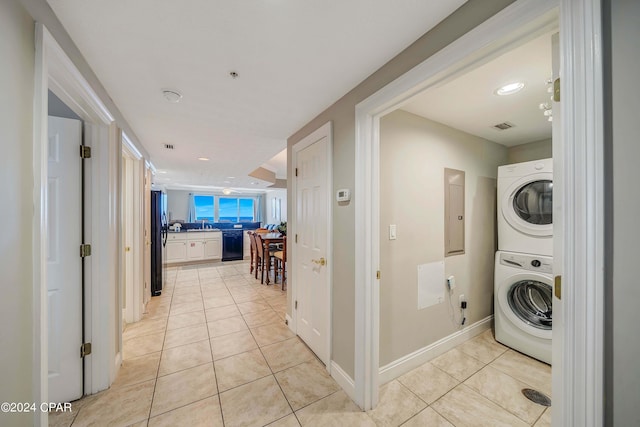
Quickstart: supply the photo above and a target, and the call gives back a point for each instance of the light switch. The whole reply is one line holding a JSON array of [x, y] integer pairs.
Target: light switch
[[392, 232]]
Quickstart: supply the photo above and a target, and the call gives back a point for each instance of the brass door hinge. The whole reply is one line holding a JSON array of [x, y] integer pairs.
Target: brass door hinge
[[296, 238], [85, 349], [378, 274], [557, 287], [296, 171], [85, 152], [85, 250], [556, 90], [295, 305]]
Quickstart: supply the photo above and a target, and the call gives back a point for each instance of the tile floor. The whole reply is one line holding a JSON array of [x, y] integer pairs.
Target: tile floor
[[213, 350]]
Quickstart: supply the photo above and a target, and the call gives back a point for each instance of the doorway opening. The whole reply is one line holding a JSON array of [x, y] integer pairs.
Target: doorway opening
[[579, 41], [132, 201], [56, 73]]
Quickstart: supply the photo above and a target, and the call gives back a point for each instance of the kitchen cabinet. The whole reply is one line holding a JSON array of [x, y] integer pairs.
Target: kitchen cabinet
[[213, 248], [195, 250], [194, 246], [176, 247]]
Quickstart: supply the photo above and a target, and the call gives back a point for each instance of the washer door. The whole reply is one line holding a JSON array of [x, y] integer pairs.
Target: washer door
[[526, 301], [527, 205]]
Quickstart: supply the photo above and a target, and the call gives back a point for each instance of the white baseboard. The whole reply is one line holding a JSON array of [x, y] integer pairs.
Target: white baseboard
[[290, 324], [419, 357], [344, 380]]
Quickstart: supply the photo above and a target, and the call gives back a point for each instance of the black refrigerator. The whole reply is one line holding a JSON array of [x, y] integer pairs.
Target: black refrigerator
[[159, 229]]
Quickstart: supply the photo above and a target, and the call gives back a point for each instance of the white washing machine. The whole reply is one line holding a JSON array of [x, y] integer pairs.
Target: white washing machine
[[525, 196], [522, 303]]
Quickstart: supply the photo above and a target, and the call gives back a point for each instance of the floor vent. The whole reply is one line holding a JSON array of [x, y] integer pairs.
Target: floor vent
[[503, 126], [169, 146], [536, 397]]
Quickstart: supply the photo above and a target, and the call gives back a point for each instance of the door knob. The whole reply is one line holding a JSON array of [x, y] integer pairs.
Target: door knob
[[320, 261]]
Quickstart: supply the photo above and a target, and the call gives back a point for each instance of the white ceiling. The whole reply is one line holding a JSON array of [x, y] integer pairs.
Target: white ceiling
[[530, 63], [481, 108], [294, 59]]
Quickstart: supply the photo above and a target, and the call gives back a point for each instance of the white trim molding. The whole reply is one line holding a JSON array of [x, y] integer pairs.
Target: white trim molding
[[40, 174], [520, 21], [421, 356], [581, 106], [130, 147], [343, 379], [290, 322]]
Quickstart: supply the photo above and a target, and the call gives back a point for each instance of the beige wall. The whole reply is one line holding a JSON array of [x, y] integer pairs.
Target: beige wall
[[16, 193], [271, 195], [532, 151], [414, 152], [177, 205], [342, 114]]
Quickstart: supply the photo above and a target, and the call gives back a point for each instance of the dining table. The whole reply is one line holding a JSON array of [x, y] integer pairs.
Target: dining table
[[271, 238]]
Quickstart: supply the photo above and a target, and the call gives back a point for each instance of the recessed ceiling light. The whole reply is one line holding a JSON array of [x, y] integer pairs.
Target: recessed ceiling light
[[509, 89], [231, 177], [204, 159], [226, 191], [172, 95], [162, 171]]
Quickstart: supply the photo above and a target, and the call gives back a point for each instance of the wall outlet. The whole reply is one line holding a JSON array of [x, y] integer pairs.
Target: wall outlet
[[461, 299], [451, 282]]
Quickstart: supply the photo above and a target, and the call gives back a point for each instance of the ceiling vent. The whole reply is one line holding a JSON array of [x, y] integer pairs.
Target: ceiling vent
[[503, 126], [168, 146]]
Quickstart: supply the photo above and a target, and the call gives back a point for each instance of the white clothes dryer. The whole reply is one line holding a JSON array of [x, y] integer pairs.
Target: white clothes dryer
[[525, 196], [522, 303]]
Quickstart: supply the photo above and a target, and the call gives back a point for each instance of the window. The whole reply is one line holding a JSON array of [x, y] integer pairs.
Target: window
[[235, 209], [204, 207]]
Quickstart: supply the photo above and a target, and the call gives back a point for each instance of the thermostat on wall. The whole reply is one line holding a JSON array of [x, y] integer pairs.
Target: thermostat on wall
[[343, 195]]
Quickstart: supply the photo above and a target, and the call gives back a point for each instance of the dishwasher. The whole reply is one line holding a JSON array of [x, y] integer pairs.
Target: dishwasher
[[232, 242]]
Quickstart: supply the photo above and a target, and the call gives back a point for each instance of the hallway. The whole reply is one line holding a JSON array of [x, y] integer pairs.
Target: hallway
[[213, 350]]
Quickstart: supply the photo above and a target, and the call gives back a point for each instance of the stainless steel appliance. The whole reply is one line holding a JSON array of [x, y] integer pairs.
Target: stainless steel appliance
[[159, 230]]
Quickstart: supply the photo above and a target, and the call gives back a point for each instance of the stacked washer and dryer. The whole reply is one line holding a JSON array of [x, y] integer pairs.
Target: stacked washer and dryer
[[523, 265]]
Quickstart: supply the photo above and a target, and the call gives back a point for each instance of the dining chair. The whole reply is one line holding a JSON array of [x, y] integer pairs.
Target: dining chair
[[281, 259], [252, 242], [264, 257]]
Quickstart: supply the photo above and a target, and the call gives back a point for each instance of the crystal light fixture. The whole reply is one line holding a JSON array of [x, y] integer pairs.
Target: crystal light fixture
[[546, 107]]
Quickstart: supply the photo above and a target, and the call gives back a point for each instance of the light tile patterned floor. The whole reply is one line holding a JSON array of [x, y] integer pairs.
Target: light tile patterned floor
[[213, 350]]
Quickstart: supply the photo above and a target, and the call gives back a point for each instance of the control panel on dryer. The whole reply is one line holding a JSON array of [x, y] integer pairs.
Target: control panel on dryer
[[539, 263]]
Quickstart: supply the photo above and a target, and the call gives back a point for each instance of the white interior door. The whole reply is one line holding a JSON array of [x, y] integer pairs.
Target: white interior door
[[147, 235], [64, 265], [312, 278], [128, 300]]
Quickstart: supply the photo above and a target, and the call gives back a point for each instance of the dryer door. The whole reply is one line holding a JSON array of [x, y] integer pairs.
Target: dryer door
[[526, 301], [527, 205]]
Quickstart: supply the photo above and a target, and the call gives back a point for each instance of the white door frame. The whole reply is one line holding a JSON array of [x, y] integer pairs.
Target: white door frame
[[135, 290], [146, 230], [582, 137], [324, 131], [55, 71]]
